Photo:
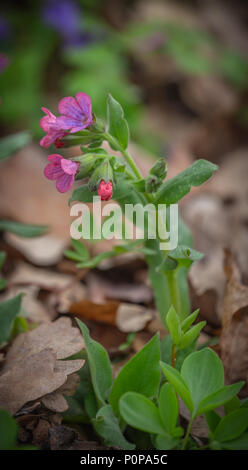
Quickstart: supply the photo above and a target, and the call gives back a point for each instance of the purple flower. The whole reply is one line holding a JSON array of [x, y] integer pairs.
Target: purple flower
[[48, 124], [77, 113], [61, 170], [64, 17]]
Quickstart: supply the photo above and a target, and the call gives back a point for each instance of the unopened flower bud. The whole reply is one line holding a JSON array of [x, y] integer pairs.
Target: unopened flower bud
[[105, 190], [152, 184], [87, 163], [102, 172], [159, 169]]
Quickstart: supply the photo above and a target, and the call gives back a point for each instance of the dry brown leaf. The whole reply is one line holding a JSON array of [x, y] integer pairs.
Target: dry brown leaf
[[32, 378], [59, 336], [43, 251], [55, 401], [43, 278], [233, 339], [103, 313], [131, 317]]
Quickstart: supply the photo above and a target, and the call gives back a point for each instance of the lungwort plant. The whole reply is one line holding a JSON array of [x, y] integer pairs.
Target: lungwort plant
[[140, 408]]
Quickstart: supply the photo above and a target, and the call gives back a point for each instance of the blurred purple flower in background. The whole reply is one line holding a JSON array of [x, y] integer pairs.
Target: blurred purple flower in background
[[64, 17], [5, 29]]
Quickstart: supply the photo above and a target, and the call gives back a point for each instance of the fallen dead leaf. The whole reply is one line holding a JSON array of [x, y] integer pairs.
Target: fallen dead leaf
[[131, 317], [59, 336], [103, 313], [233, 340], [32, 378]]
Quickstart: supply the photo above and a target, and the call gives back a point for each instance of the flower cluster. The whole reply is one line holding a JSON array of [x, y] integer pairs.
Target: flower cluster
[[75, 116]]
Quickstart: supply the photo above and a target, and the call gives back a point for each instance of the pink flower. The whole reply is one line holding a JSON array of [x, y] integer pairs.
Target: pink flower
[[105, 190], [77, 113], [54, 134], [61, 170]]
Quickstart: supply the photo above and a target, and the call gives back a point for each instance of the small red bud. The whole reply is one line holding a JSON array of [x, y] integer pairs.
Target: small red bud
[[105, 190]]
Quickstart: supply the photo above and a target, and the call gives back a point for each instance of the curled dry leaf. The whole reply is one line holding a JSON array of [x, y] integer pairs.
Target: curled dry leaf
[[233, 339], [55, 401], [32, 378], [60, 336], [32, 369]]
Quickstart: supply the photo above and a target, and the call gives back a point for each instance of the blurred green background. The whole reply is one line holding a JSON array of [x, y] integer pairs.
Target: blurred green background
[[181, 62]]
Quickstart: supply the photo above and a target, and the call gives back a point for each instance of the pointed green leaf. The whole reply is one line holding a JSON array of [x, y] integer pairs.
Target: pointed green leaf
[[117, 124], [220, 397], [173, 324], [186, 324], [177, 382], [191, 335], [141, 374], [100, 366], [231, 426], [176, 188], [23, 230]]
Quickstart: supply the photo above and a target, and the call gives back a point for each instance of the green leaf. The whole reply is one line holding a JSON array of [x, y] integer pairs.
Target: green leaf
[[93, 262], [141, 374], [165, 442], [117, 124], [12, 143], [23, 230], [180, 386], [176, 188], [107, 426], [8, 431], [8, 311], [231, 426], [241, 443], [173, 324], [80, 248], [140, 413], [72, 255], [203, 374], [212, 419], [100, 366], [81, 194], [191, 335], [168, 407], [220, 397], [185, 325]]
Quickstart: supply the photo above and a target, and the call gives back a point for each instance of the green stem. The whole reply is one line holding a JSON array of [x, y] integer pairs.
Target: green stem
[[125, 154], [174, 292], [187, 433], [172, 280]]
